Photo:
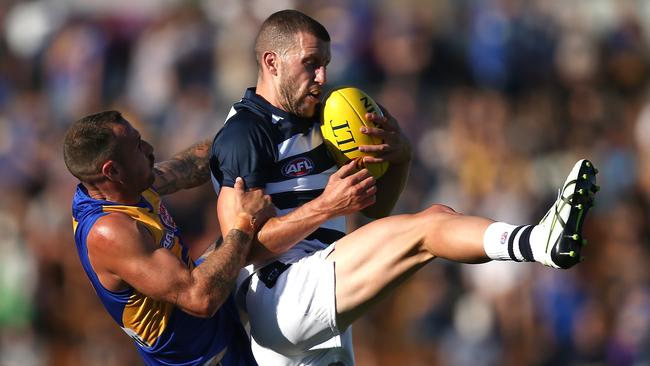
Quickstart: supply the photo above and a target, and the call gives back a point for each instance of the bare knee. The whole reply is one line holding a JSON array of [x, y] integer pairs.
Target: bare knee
[[437, 217], [438, 209]]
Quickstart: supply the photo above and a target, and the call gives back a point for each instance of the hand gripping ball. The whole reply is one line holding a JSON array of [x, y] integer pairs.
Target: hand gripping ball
[[342, 117]]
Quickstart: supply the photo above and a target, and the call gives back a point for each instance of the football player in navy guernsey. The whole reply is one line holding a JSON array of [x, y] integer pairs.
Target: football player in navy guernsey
[[178, 312], [308, 281]]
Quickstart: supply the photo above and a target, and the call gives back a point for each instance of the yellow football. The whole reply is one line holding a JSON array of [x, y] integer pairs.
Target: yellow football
[[343, 115]]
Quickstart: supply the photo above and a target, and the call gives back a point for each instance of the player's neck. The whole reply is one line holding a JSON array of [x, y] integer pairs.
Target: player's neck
[[107, 192], [266, 89]]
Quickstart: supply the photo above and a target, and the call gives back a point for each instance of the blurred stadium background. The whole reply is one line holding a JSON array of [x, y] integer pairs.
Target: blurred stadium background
[[499, 98]]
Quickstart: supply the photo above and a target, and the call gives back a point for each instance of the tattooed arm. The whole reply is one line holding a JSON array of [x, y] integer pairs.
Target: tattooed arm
[[125, 254], [187, 169], [216, 276]]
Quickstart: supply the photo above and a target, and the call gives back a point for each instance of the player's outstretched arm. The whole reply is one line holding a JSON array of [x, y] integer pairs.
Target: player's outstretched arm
[[347, 191], [123, 253], [187, 169]]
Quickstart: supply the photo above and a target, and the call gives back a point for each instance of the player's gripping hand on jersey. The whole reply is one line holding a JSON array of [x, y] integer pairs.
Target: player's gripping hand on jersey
[[254, 208]]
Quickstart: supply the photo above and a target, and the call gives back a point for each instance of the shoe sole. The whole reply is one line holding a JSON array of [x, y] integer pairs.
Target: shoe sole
[[567, 251]]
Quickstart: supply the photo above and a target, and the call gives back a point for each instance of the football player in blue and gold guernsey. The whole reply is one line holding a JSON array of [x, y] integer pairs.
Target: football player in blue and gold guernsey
[[177, 312]]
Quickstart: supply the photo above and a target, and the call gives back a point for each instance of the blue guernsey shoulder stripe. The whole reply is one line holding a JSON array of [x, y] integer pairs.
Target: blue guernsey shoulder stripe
[[162, 333]]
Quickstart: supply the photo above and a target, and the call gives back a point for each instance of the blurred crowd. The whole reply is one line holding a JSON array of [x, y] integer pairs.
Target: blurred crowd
[[499, 98]]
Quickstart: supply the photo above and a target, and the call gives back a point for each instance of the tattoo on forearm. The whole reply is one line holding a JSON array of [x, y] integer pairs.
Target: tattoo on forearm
[[230, 257], [237, 237], [187, 169]]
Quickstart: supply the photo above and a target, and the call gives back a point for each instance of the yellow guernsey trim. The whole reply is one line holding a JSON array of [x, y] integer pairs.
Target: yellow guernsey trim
[[148, 318], [149, 219]]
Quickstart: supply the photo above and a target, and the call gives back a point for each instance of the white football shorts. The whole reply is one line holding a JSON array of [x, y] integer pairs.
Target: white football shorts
[[294, 321]]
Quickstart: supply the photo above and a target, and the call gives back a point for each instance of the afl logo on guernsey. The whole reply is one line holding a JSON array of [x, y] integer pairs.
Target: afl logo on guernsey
[[298, 167]]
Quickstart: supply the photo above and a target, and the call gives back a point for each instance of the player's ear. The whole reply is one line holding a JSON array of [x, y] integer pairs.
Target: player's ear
[[111, 170], [271, 60]]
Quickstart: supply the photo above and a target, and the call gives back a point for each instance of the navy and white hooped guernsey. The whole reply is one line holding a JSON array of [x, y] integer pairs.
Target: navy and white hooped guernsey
[[281, 153]]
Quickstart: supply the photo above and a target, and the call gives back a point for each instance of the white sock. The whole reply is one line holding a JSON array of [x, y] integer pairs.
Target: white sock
[[502, 241]]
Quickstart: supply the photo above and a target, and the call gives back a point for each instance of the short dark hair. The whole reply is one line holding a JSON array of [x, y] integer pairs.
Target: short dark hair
[[278, 30], [89, 142]]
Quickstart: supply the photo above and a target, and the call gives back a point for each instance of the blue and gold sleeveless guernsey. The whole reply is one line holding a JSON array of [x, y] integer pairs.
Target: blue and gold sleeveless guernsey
[[163, 334]]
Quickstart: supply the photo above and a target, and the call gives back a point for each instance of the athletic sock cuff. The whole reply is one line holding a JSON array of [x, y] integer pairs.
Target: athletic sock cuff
[[495, 241]]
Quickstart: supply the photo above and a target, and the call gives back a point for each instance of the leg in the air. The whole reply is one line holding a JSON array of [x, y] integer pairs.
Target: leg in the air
[[373, 260]]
